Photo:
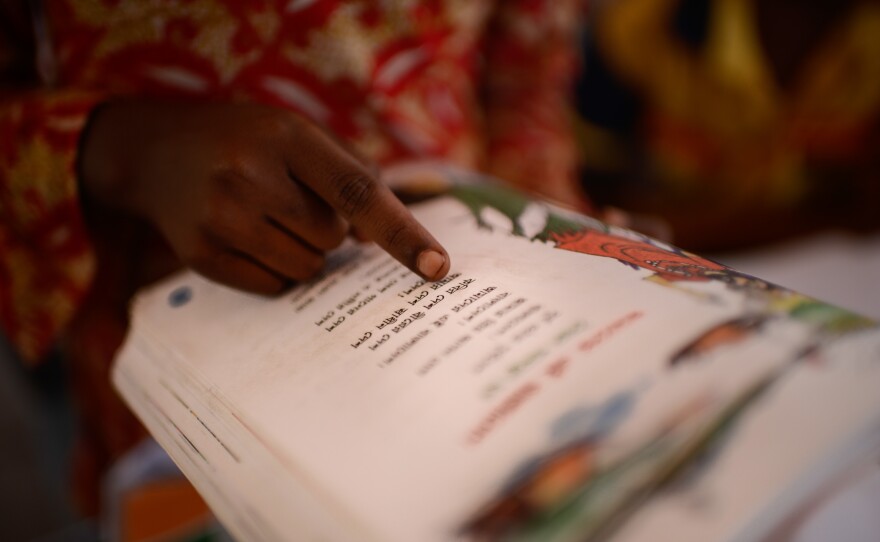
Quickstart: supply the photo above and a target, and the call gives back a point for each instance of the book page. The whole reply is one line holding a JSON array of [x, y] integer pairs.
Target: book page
[[562, 370]]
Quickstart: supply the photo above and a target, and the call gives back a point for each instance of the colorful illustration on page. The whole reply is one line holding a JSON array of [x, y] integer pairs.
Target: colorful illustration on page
[[585, 488], [495, 207]]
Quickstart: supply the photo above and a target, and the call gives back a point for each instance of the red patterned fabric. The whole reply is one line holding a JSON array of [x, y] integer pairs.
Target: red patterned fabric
[[46, 261], [477, 82]]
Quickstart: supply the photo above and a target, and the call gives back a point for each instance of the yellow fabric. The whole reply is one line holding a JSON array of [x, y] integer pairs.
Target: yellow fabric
[[718, 123]]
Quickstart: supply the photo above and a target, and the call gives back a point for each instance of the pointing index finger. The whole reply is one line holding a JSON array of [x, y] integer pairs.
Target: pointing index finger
[[369, 205]]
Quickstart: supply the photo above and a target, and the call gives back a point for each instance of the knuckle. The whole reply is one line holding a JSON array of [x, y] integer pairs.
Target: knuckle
[[356, 192], [275, 125], [394, 233], [297, 209], [216, 219], [228, 175]]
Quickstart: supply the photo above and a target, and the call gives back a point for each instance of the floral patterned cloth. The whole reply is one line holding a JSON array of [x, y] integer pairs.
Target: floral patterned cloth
[[479, 83], [402, 79]]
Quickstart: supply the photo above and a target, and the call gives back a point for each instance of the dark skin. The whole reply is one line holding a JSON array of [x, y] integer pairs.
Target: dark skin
[[247, 195]]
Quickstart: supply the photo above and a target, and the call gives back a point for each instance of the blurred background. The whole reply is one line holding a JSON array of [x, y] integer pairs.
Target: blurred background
[[37, 427], [750, 127], [740, 123]]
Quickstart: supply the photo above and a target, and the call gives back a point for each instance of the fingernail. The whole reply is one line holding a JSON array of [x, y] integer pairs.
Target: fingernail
[[430, 263]]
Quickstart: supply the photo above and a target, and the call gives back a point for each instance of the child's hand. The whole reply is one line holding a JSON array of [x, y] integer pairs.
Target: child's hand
[[247, 195]]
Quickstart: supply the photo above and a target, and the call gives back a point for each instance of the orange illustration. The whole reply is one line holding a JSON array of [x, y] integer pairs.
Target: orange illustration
[[669, 265]]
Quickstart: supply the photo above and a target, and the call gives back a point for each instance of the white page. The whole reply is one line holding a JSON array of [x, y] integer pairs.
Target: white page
[[511, 357]]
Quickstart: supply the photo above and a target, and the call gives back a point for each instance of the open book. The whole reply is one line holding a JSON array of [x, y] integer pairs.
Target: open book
[[567, 380]]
